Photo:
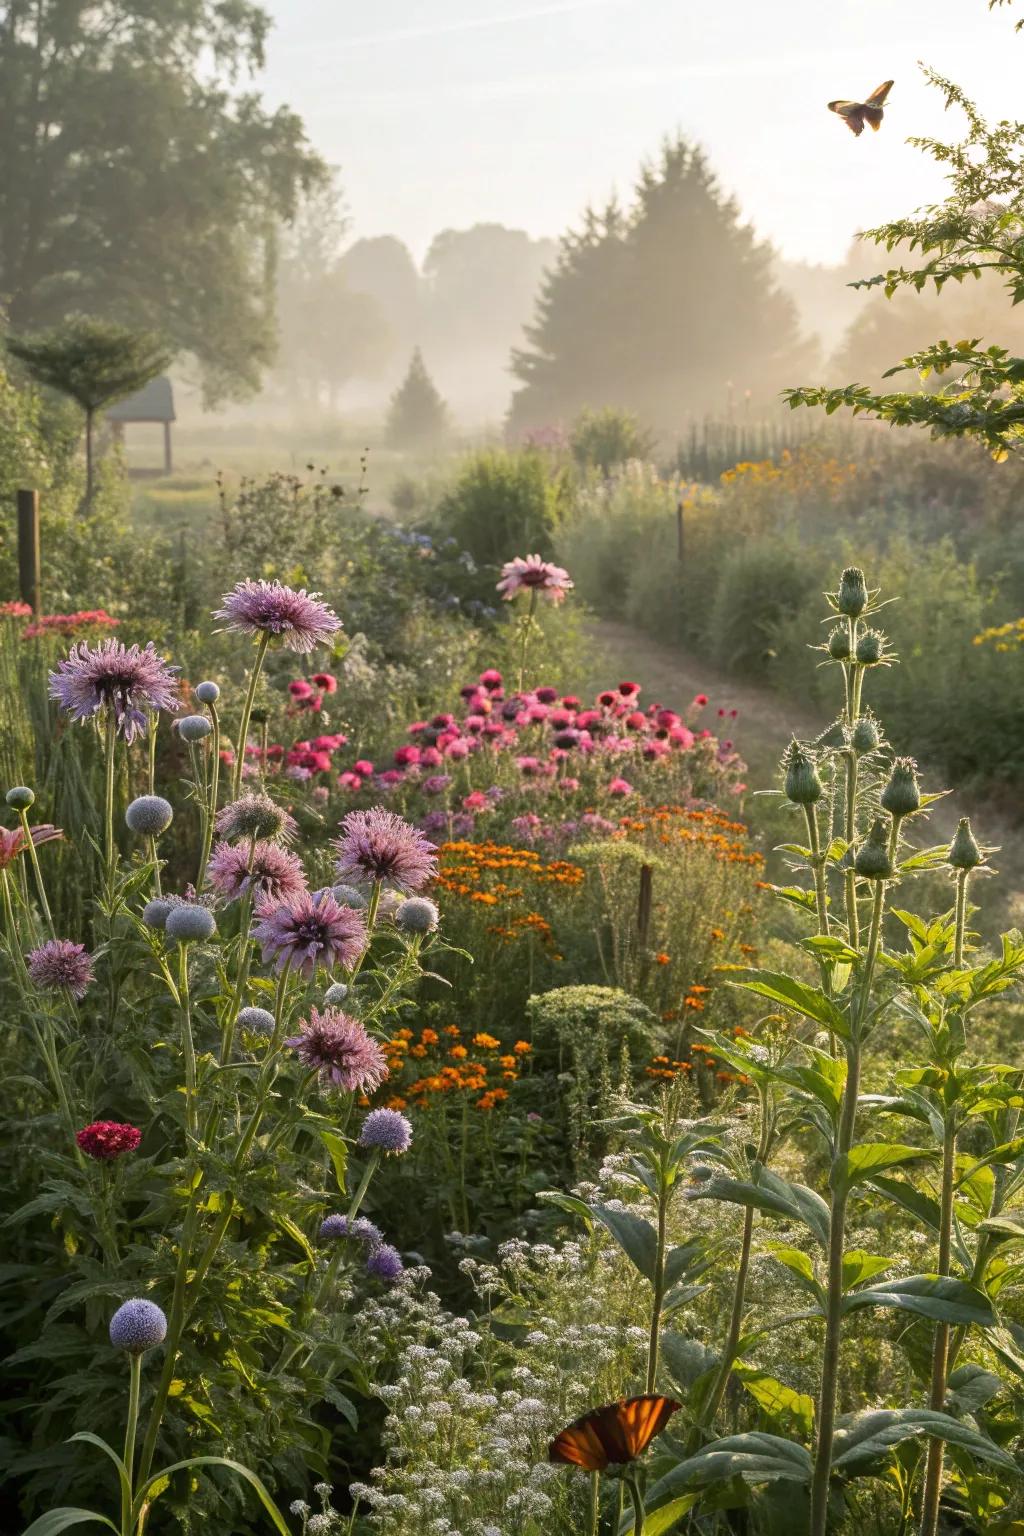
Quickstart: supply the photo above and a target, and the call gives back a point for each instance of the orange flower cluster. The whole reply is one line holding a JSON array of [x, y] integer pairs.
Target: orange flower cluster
[[499, 875], [450, 1068], [667, 1070], [727, 840]]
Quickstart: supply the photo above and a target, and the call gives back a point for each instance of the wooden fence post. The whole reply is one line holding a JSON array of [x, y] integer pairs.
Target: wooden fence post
[[29, 566]]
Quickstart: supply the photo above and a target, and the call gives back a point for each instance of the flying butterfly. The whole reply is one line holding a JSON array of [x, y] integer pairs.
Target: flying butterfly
[[856, 113], [618, 1432]]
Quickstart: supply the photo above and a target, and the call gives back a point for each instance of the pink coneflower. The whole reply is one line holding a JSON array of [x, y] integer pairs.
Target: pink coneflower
[[58, 965], [125, 679], [326, 681], [339, 1048], [106, 1140], [620, 788], [629, 690], [533, 575], [310, 931], [300, 689], [377, 845], [15, 610], [406, 756], [297, 618], [491, 679], [350, 781], [476, 801], [269, 873], [364, 767], [13, 843]]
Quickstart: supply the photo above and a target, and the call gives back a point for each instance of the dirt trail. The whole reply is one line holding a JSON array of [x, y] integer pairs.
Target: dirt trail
[[766, 722]]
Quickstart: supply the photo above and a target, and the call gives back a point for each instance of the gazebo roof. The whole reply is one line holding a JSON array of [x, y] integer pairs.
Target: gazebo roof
[[154, 402]]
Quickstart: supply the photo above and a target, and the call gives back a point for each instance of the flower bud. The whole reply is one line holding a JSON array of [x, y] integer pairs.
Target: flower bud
[[874, 861], [902, 795], [138, 1325], [852, 597], [259, 715], [190, 924], [256, 1021], [803, 785], [870, 647], [21, 798], [865, 735], [149, 815], [839, 644], [194, 727], [964, 852], [207, 693], [156, 912]]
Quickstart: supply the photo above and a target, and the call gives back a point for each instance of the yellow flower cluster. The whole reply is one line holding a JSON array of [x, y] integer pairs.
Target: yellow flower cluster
[[1005, 637]]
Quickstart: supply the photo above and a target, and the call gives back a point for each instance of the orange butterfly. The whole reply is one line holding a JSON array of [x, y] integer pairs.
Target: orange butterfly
[[619, 1432], [856, 113]]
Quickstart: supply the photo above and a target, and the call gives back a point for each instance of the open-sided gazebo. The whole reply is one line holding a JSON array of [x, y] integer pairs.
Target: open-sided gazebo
[[153, 403]]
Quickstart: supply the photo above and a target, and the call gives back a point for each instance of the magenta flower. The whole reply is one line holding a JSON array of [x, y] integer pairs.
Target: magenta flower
[[310, 931], [298, 618], [340, 1049], [270, 873], [60, 964], [534, 575], [106, 1140], [377, 845], [125, 679], [620, 788], [13, 843]]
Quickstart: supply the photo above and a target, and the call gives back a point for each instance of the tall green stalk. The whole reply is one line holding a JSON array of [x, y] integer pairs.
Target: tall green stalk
[[109, 846], [37, 873], [659, 1283], [128, 1488], [243, 727]]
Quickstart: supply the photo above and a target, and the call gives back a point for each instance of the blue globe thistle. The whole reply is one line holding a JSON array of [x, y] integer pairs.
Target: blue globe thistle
[[384, 1263], [257, 1021], [350, 896], [336, 994], [21, 798], [417, 914], [149, 815], [156, 912], [138, 1325], [386, 1130], [207, 693], [194, 727], [190, 924], [333, 1228]]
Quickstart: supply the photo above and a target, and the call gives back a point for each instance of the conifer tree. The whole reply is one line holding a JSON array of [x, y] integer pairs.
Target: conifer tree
[[418, 417]]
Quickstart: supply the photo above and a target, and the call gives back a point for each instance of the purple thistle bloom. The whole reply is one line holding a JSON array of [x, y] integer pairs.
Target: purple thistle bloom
[[386, 1130], [377, 845], [125, 679], [58, 964], [385, 1263], [341, 1050], [270, 872], [268, 608], [361, 1230], [138, 1325], [310, 931], [255, 815]]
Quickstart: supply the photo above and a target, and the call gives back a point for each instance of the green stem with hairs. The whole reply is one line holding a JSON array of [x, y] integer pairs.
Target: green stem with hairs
[[659, 1283], [526, 628], [155, 861], [214, 792], [127, 1492], [109, 847], [639, 1516], [188, 1050], [243, 727], [850, 878], [37, 873]]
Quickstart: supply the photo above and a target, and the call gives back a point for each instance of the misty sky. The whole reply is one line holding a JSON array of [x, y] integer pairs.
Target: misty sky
[[450, 112]]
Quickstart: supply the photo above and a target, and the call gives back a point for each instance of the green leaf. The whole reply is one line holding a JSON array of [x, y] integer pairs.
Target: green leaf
[[88, 1438], [920, 1205], [864, 1440], [778, 1400], [1008, 1229], [779, 988], [755, 1457], [635, 1236], [337, 1147], [859, 1266], [800, 1267], [869, 1158], [941, 1298], [296, 1234], [62, 1519], [970, 1387], [770, 1193], [568, 1203], [208, 1461], [662, 1519]]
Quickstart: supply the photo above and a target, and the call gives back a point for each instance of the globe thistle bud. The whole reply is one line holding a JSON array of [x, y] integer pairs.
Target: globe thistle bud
[[803, 785], [852, 597], [149, 815], [256, 1021], [874, 861], [21, 798], [964, 852], [156, 912], [902, 795], [839, 644], [138, 1325], [207, 693], [350, 896], [865, 736], [417, 914], [870, 648], [194, 727], [336, 994], [190, 924]]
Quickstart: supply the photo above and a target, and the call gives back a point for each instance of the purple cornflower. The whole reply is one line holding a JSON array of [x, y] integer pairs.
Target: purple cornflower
[[267, 608], [341, 1050], [361, 1230], [58, 964], [270, 872], [255, 815], [384, 1263], [125, 679], [310, 931], [377, 845], [385, 1130]]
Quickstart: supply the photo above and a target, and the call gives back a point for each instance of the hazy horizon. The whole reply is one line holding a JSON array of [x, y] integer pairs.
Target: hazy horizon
[[521, 113]]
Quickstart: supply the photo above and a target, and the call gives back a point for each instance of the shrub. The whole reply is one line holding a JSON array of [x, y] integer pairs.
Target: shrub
[[604, 439], [503, 501]]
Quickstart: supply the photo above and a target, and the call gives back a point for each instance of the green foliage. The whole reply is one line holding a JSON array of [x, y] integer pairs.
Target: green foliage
[[593, 1037], [418, 417], [501, 504], [604, 439], [759, 586]]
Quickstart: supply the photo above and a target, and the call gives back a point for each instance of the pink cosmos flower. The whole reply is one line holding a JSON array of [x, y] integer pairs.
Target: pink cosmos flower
[[534, 575]]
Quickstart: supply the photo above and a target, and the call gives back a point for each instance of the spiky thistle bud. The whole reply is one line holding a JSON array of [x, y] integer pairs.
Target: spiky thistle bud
[[803, 785], [902, 794], [865, 735], [852, 597], [839, 644], [874, 861], [870, 647], [964, 852]]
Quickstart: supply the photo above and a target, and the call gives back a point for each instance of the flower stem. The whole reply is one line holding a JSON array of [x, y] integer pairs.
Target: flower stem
[[155, 861], [659, 1285], [243, 727], [638, 1503], [109, 847], [188, 1049], [595, 1501], [214, 788], [37, 873], [940, 1347], [128, 1492], [526, 628]]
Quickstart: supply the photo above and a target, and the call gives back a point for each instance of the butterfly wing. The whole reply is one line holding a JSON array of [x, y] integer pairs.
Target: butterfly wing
[[879, 94], [852, 114], [643, 1418], [579, 1445], [616, 1433]]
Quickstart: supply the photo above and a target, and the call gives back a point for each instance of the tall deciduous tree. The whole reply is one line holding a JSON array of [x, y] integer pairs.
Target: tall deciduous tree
[[94, 363], [139, 181], [659, 308]]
